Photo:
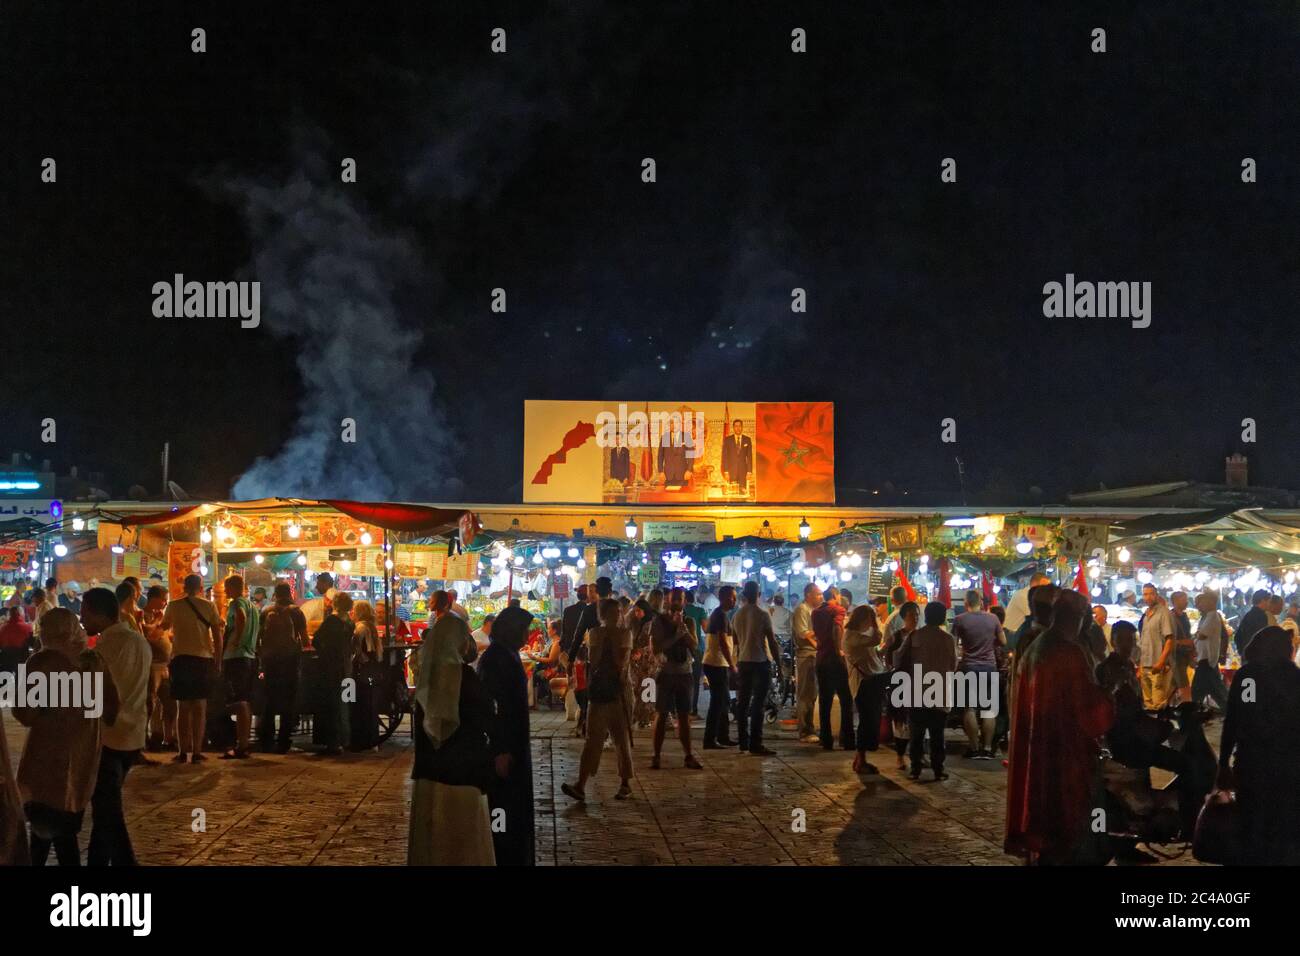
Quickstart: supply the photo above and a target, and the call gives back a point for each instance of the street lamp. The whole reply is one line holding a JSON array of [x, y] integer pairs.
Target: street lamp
[[805, 530], [629, 529]]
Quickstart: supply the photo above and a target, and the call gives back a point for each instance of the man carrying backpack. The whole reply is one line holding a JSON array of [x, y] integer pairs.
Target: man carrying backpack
[[283, 632]]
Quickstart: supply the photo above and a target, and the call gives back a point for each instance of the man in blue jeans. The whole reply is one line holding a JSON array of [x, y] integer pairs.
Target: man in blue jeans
[[756, 652]]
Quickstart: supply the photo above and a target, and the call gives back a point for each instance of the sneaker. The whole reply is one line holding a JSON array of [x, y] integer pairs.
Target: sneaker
[[970, 753], [571, 791], [693, 764], [984, 755], [810, 739]]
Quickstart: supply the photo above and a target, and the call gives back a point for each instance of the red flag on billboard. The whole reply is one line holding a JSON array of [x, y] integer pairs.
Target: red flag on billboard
[[647, 459]]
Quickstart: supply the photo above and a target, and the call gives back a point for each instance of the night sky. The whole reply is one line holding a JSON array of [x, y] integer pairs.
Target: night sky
[[775, 170]]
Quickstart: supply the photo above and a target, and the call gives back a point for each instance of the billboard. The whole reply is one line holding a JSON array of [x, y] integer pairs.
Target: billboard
[[679, 452]]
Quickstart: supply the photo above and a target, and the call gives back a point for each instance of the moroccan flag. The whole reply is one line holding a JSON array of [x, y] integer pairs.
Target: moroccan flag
[[900, 579], [990, 595], [647, 457], [1081, 581], [944, 593]]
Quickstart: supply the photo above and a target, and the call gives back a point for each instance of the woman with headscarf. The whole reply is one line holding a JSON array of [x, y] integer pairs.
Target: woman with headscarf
[[367, 668], [333, 644], [60, 762], [454, 726], [505, 681], [1261, 728], [645, 663]]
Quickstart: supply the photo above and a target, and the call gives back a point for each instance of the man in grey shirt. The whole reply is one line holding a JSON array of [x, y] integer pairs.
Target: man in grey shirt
[[756, 652]]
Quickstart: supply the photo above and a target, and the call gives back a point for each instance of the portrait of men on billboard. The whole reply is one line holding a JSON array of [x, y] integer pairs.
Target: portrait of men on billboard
[[620, 463], [738, 456], [674, 465]]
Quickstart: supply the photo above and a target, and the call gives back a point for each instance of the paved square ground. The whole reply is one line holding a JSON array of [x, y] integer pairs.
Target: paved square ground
[[301, 809]]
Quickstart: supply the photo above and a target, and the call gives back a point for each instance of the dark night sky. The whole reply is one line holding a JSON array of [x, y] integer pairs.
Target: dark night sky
[[775, 170]]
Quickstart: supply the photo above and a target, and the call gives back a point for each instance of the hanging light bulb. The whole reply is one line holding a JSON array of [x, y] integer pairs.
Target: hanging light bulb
[[293, 529], [78, 524], [989, 540], [345, 564], [258, 558], [537, 557], [388, 564], [1094, 572], [573, 552], [805, 530], [843, 561], [747, 563], [367, 539], [1024, 545], [117, 548], [205, 535], [629, 529], [856, 561], [716, 569], [796, 567], [1124, 555], [582, 562], [60, 550], [302, 560], [519, 560]]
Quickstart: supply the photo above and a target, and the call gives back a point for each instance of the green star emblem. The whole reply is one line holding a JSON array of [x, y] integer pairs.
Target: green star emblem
[[795, 454]]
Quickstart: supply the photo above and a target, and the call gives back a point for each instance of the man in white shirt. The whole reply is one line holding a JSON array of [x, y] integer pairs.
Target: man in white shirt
[[1018, 606], [1100, 617], [805, 662], [1155, 658], [482, 636], [41, 602], [128, 657], [1210, 635], [782, 618], [317, 608]]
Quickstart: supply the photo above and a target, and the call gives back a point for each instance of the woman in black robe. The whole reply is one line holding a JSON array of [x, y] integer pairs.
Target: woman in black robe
[[333, 645], [504, 680]]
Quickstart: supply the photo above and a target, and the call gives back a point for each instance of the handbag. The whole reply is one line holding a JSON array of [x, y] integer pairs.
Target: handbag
[[1217, 837]]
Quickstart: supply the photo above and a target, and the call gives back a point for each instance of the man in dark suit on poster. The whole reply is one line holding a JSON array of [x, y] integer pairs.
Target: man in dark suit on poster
[[738, 456], [620, 464]]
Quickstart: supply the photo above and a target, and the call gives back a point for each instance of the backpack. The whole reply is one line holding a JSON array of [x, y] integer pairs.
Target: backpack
[[279, 638]]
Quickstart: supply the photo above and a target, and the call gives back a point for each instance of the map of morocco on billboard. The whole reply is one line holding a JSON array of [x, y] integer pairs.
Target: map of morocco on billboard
[[679, 452]]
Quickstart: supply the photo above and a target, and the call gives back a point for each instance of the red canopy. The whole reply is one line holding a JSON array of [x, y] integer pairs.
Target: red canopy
[[395, 517]]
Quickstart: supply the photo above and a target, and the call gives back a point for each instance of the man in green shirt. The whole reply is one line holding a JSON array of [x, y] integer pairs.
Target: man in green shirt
[[239, 664]]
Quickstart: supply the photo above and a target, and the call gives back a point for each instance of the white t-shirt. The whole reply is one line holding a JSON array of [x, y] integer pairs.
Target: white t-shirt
[[781, 619], [752, 625], [1017, 611], [127, 654], [1209, 638], [481, 640]]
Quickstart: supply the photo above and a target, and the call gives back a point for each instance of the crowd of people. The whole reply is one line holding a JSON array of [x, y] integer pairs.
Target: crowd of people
[[1067, 686], [160, 662]]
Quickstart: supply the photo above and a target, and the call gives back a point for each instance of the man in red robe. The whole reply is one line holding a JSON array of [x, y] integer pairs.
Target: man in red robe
[[1059, 712]]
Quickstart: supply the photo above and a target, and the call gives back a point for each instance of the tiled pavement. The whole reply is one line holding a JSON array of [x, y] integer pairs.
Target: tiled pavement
[[301, 809]]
